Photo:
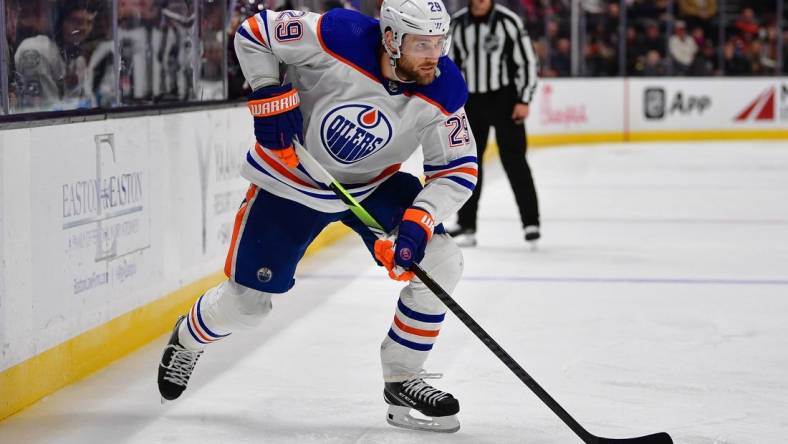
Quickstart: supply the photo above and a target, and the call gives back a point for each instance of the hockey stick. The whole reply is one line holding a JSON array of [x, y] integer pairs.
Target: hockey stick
[[319, 173]]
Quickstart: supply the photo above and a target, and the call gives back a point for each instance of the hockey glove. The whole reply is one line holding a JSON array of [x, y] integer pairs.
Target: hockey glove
[[277, 120], [415, 231]]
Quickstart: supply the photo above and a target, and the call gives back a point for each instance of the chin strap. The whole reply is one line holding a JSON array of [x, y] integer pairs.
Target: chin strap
[[393, 62]]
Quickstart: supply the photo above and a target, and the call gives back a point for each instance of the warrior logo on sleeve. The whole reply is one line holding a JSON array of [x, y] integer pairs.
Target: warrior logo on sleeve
[[354, 132]]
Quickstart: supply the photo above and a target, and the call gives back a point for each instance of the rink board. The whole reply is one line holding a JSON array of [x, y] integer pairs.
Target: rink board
[[112, 227], [109, 230]]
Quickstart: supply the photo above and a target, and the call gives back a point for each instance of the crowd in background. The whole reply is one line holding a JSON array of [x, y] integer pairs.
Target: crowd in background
[[661, 37], [60, 54]]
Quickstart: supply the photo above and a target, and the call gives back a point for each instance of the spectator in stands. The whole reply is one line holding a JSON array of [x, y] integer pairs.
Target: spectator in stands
[[698, 13], [612, 17], [633, 56], [745, 25], [705, 63], [769, 55], [600, 59], [647, 9], [653, 40], [760, 64], [699, 35], [541, 54], [236, 84], [682, 48], [785, 51], [11, 21], [561, 59], [33, 20], [177, 52], [51, 71], [736, 64], [654, 65]]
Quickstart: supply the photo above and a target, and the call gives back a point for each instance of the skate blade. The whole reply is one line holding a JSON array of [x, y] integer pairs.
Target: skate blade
[[399, 416]]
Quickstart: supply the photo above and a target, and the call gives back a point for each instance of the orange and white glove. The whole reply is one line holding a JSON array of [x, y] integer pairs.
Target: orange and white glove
[[415, 231]]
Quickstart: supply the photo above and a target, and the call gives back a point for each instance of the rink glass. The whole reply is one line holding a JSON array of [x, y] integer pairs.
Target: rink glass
[[170, 52]]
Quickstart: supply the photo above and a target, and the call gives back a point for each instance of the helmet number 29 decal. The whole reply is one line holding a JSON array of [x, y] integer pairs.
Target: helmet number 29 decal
[[458, 135], [435, 6]]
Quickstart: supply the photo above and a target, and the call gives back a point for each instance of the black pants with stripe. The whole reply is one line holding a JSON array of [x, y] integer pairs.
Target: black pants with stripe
[[495, 109]]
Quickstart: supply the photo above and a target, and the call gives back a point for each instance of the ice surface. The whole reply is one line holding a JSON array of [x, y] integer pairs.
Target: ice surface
[[657, 301]]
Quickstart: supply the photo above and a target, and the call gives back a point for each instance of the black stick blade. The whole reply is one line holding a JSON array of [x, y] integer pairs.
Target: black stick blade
[[656, 438]]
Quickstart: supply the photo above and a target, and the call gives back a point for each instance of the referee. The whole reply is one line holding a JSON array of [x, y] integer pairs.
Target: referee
[[493, 50]]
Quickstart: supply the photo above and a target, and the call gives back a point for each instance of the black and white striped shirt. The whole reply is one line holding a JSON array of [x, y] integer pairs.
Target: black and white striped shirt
[[494, 51]]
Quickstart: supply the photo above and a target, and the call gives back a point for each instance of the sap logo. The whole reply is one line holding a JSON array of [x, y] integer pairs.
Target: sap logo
[[354, 132]]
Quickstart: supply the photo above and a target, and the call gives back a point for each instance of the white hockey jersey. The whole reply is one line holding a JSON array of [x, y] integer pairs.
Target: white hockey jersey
[[359, 125]]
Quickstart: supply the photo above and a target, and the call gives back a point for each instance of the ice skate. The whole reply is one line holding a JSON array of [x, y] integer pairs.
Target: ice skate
[[532, 236], [176, 366], [464, 237], [439, 408]]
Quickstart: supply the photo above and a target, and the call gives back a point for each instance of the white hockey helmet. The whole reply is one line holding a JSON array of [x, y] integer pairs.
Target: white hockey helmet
[[420, 17]]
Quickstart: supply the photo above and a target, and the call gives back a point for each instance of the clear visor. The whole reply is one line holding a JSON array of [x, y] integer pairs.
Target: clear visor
[[428, 46]]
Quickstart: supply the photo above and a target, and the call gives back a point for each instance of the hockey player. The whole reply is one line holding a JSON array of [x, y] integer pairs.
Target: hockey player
[[362, 95]]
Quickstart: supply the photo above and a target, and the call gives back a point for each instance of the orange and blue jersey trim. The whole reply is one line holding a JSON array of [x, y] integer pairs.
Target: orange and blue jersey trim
[[240, 221], [250, 29], [463, 171], [268, 166], [413, 329]]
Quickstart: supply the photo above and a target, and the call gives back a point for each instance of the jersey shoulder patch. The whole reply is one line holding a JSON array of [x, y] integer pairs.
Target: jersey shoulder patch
[[352, 37], [449, 90]]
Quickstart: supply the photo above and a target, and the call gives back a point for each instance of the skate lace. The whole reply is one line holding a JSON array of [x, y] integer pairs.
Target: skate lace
[[418, 388], [181, 365]]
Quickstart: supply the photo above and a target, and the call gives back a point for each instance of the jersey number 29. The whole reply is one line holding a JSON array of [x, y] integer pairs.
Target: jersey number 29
[[459, 130], [289, 28]]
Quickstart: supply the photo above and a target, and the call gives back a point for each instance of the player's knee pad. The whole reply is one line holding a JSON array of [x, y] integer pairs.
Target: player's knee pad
[[242, 306], [444, 263]]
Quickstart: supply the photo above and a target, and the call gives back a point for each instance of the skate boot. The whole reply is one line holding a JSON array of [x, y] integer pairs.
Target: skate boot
[[176, 366], [439, 407], [532, 235], [464, 237]]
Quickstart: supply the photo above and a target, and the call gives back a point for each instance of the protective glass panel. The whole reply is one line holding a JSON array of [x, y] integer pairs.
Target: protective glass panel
[[693, 45], [750, 39], [212, 74], [159, 46], [53, 46], [783, 35], [646, 44], [554, 48], [598, 23]]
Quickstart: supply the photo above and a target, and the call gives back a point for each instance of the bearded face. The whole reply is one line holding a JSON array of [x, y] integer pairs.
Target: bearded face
[[417, 69], [419, 56]]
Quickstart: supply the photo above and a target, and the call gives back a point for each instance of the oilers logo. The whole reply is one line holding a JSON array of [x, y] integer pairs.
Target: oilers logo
[[354, 132]]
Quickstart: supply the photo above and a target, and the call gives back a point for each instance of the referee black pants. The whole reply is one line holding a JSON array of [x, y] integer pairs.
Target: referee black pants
[[495, 109]]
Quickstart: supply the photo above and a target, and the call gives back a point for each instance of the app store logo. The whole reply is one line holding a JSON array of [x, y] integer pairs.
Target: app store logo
[[654, 103]]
